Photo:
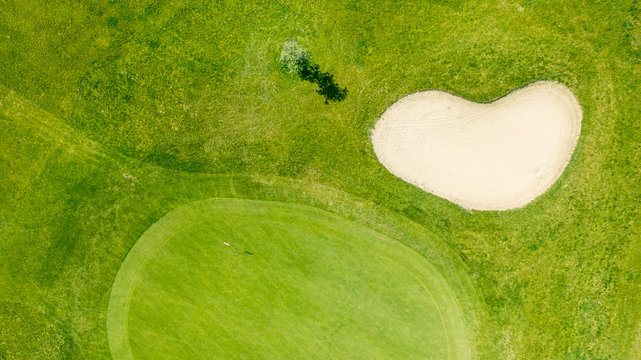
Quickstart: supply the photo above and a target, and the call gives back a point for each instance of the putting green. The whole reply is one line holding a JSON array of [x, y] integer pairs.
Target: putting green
[[295, 282]]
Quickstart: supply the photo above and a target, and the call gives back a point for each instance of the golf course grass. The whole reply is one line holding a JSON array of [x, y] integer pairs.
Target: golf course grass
[[226, 278], [117, 115]]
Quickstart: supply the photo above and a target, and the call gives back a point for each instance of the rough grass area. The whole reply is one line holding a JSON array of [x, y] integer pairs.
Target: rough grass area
[[112, 115], [225, 278]]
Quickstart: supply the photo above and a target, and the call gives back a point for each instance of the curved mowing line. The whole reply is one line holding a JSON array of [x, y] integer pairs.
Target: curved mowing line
[[191, 214], [133, 274]]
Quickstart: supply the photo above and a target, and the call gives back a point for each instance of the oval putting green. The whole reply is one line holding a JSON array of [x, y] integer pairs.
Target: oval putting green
[[229, 278]]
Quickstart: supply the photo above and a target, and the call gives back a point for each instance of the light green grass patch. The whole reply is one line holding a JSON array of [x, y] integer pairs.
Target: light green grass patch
[[314, 286]]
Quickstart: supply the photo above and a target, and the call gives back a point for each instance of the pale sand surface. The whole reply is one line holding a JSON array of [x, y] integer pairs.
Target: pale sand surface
[[494, 156]]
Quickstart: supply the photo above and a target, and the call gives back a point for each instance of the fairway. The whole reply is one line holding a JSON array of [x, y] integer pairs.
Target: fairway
[[229, 278]]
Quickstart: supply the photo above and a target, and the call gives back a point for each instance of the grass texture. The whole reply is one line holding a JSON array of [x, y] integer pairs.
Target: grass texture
[[114, 114]]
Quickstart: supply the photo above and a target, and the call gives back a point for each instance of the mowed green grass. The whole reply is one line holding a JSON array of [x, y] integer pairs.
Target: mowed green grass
[[315, 286]]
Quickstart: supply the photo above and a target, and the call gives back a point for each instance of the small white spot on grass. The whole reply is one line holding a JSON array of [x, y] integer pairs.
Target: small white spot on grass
[[226, 243], [127, 175]]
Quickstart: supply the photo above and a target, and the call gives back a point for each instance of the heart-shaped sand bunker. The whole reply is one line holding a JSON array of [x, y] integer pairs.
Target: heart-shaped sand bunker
[[494, 156]]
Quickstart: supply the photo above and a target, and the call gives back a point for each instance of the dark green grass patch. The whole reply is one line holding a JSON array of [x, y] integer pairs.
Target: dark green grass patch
[[27, 332]]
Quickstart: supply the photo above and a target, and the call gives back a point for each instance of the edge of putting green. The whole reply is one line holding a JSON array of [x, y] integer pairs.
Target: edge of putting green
[[154, 238], [196, 186]]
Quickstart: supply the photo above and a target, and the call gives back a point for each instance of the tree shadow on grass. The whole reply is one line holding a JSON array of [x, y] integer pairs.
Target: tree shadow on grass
[[327, 87], [297, 60]]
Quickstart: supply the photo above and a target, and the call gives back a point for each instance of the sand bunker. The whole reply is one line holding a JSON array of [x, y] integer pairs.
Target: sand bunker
[[494, 156]]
